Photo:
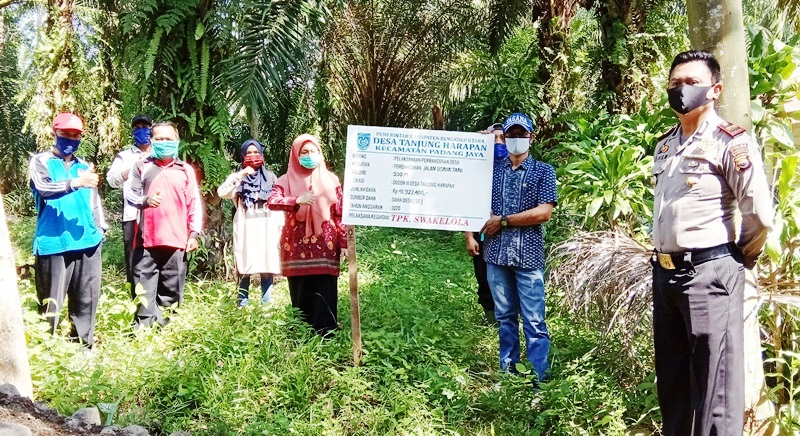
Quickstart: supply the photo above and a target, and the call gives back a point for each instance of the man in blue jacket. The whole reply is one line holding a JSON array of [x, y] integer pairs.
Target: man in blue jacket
[[70, 228]]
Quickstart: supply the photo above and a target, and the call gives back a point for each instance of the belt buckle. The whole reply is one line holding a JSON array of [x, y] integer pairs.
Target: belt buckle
[[665, 260]]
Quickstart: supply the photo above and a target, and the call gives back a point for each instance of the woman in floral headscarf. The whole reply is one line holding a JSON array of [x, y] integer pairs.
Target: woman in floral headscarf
[[313, 236], [255, 228]]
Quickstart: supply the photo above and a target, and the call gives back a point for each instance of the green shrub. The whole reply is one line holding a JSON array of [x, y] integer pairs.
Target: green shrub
[[430, 365], [603, 167]]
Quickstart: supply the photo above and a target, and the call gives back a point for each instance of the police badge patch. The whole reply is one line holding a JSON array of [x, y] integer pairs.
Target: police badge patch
[[741, 156], [664, 148]]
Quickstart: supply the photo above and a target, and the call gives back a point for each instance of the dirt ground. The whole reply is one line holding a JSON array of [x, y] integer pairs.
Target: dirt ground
[[40, 420]]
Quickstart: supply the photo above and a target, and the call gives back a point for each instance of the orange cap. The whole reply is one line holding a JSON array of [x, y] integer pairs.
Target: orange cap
[[68, 121]]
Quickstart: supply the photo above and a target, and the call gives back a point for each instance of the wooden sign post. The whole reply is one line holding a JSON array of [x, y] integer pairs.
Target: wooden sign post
[[355, 308]]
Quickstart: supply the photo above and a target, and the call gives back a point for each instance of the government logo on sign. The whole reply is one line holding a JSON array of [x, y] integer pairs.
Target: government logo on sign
[[363, 141]]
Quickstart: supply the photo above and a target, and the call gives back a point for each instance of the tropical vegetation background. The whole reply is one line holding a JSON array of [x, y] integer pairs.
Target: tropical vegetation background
[[591, 73]]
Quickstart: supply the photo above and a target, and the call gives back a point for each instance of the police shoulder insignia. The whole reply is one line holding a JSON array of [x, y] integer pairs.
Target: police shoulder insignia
[[741, 156], [668, 132], [665, 147], [731, 129]]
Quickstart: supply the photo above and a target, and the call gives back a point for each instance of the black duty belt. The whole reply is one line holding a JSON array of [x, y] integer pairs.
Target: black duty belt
[[694, 257]]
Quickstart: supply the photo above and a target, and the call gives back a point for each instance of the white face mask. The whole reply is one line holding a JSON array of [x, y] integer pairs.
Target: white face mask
[[518, 145]]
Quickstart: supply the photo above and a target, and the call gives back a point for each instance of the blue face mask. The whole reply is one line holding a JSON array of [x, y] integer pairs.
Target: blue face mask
[[310, 161], [162, 149], [500, 151], [67, 146], [141, 135]]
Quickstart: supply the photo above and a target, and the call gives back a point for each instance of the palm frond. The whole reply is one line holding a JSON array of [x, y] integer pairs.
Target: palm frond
[[605, 275], [385, 59], [792, 299], [271, 48], [504, 15]]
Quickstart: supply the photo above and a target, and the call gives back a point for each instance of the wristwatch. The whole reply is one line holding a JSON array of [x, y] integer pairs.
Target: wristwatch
[[504, 221]]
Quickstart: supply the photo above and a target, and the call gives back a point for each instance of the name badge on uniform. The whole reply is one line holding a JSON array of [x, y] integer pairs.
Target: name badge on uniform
[[665, 260]]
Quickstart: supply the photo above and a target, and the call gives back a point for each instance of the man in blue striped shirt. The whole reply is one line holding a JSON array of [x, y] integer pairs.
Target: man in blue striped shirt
[[523, 198]]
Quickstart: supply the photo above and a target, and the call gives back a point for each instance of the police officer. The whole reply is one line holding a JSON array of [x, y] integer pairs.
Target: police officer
[[705, 169]]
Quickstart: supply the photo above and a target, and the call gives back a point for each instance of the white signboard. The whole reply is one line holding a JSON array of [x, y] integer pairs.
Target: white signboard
[[420, 179]]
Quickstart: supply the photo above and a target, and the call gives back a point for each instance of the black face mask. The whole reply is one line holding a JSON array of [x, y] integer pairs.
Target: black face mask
[[686, 98]]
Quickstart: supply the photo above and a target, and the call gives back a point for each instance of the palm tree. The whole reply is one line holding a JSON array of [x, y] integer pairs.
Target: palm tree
[[269, 71], [384, 55], [199, 62]]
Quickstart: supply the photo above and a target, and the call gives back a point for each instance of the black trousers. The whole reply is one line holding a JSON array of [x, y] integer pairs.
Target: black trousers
[[699, 346], [129, 237], [484, 292], [162, 273], [74, 275], [316, 297]]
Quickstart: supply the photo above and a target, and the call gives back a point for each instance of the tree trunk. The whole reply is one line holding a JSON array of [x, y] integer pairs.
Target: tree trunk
[[110, 134], [717, 26], [14, 366], [255, 123], [59, 28], [618, 20], [552, 33]]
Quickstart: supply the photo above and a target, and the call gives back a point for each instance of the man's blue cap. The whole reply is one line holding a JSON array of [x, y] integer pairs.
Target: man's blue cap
[[518, 119]]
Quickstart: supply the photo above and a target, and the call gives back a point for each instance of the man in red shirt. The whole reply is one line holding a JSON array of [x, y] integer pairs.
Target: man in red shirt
[[166, 190]]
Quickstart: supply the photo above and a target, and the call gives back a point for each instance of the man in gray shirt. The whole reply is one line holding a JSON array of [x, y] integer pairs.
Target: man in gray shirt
[[118, 177], [705, 169]]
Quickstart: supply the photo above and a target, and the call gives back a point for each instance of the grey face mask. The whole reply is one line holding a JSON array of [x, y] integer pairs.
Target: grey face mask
[[686, 98]]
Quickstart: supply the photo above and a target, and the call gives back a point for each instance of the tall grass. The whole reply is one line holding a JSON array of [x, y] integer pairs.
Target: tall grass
[[429, 366]]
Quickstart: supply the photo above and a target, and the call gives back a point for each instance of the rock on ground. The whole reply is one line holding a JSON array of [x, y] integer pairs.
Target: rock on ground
[[88, 415], [135, 430], [13, 429], [9, 390]]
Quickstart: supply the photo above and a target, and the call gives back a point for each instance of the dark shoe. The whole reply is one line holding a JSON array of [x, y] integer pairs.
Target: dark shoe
[[490, 319]]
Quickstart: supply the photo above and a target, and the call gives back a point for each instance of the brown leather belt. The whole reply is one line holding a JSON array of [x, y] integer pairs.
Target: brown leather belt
[[694, 257]]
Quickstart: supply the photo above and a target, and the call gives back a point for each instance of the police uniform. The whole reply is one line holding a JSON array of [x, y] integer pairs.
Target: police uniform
[[698, 272]]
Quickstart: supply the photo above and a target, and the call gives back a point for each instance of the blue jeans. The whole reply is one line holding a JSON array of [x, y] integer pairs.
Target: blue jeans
[[520, 291], [244, 288]]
